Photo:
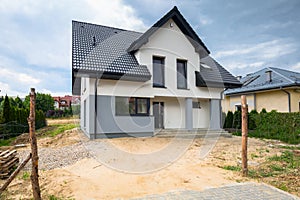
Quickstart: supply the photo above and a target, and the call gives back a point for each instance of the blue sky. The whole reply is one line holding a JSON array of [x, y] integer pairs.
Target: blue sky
[[244, 36]]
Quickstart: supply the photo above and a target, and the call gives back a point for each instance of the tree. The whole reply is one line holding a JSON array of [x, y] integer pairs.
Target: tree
[[6, 110], [43, 102], [19, 102]]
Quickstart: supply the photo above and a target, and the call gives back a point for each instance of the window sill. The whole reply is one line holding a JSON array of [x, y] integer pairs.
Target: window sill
[[133, 115], [183, 88], [158, 86]]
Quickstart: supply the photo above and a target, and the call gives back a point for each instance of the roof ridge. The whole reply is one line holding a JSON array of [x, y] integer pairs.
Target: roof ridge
[[184, 26], [121, 29]]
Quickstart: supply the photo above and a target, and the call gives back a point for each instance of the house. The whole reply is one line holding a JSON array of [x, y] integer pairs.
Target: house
[[270, 88], [66, 101], [135, 83]]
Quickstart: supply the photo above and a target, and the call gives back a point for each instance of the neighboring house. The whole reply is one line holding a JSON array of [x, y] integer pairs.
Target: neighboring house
[[270, 88], [66, 101], [134, 83]]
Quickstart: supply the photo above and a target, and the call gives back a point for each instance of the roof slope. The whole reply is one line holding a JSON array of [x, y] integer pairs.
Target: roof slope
[[258, 81], [215, 75], [100, 50], [184, 27]]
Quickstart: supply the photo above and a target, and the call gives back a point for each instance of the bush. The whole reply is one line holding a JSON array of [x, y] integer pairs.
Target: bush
[[59, 113], [237, 120], [280, 126], [228, 120], [251, 119]]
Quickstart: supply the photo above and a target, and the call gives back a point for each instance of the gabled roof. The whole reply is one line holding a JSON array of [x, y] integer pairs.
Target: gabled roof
[[181, 23], [258, 81], [212, 74], [101, 51]]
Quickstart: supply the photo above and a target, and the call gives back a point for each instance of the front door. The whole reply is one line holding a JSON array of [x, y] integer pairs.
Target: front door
[[158, 112]]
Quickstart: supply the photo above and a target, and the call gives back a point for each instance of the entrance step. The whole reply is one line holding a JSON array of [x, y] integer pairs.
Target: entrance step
[[196, 133]]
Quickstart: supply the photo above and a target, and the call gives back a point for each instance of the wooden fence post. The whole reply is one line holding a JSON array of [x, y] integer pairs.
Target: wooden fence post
[[244, 135], [34, 150]]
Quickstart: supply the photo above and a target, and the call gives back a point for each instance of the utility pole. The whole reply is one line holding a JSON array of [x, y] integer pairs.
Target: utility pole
[[34, 149], [244, 135]]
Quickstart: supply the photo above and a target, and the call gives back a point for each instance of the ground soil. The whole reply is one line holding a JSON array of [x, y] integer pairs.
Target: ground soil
[[89, 179]]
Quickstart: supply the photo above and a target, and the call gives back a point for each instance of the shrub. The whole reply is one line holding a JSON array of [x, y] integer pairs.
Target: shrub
[[237, 119], [228, 120]]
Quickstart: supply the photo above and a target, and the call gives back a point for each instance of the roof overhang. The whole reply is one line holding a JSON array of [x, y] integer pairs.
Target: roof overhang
[[201, 82], [228, 93]]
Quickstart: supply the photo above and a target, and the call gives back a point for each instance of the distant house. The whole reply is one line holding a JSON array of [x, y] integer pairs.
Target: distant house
[[270, 88], [134, 83], [66, 101]]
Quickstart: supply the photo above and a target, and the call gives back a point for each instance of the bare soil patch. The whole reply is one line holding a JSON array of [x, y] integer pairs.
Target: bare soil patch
[[89, 179]]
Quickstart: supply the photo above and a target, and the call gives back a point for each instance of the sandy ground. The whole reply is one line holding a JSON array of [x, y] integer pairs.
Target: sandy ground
[[90, 179]]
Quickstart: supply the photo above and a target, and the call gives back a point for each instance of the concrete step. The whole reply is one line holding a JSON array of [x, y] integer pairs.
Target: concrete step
[[197, 133]]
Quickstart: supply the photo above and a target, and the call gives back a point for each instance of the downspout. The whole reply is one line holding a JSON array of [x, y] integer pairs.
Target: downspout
[[96, 107], [289, 98], [221, 110]]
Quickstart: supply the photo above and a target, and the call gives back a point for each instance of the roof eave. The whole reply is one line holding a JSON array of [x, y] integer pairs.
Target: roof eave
[[228, 93], [111, 76]]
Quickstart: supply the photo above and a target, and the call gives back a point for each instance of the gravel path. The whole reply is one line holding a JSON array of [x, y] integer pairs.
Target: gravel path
[[50, 158]]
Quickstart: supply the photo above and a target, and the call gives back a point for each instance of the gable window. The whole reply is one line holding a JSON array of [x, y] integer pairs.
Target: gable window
[[132, 106], [158, 71], [181, 74]]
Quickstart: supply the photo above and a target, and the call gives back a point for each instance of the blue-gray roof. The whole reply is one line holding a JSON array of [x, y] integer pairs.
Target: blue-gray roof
[[212, 74], [99, 48], [259, 81]]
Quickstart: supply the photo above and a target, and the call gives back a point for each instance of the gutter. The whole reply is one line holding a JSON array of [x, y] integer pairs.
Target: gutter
[[96, 107], [289, 98]]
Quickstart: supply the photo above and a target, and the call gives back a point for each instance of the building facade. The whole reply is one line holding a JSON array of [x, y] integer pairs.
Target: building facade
[[133, 83]]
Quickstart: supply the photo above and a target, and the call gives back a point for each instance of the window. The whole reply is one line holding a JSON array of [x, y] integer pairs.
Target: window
[[196, 104], [181, 74], [132, 106], [238, 108], [158, 71]]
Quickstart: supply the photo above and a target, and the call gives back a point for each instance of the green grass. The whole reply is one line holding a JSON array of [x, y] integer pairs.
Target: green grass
[[53, 197], [232, 168], [49, 131], [274, 166], [60, 129], [25, 175], [6, 142]]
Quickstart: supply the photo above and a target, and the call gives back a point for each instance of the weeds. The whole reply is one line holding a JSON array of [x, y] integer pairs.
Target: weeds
[[25, 175]]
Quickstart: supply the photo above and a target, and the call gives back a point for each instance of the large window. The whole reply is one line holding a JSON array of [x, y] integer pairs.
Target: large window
[[158, 71], [132, 106], [181, 74]]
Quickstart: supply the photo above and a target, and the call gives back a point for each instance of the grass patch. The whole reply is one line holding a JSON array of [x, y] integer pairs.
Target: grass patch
[[232, 168], [6, 142], [25, 176], [53, 130], [53, 197]]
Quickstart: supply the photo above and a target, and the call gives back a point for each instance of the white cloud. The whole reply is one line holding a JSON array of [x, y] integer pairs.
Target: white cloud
[[296, 66], [37, 35], [265, 50]]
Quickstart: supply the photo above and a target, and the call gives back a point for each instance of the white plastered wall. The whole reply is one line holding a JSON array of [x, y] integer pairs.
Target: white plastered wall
[[201, 115]]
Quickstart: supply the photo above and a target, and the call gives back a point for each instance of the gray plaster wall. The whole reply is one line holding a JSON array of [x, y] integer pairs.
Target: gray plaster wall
[[108, 124], [189, 114], [215, 114]]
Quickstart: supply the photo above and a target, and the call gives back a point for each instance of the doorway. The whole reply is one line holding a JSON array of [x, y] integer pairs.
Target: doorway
[[158, 112]]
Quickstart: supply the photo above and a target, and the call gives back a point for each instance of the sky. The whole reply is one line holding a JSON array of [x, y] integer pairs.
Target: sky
[[243, 36]]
